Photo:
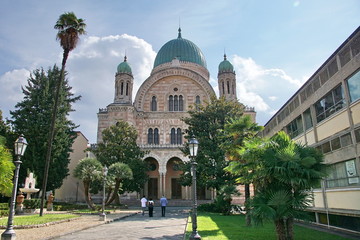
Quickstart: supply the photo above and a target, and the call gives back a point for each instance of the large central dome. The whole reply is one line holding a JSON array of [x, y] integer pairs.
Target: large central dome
[[182, 49]]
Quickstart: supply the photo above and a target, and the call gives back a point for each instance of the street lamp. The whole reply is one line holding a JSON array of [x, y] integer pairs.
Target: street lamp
[[103, 214], [193, 147], [20, 146]]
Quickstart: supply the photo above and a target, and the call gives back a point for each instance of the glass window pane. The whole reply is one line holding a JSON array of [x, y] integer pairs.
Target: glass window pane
[[307, 119], [346, 140], [335, 144], [354, 86]]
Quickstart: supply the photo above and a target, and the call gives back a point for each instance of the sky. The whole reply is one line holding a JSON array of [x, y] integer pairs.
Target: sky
[[275, 46]]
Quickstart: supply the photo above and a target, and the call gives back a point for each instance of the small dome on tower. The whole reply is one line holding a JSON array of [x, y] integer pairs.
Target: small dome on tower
[[124, 67], [225, 66]]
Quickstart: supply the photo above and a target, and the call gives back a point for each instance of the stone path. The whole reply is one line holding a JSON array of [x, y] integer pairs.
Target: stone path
[[171, 227]]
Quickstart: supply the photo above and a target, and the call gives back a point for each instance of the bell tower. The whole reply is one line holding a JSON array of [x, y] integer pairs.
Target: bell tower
[[124, 82], [227, 80]]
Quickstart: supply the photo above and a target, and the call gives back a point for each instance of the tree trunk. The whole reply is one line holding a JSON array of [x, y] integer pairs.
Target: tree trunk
[[247, 198], [52, 131], [280, 229], [290, 228], [115, 192], [88, 196]]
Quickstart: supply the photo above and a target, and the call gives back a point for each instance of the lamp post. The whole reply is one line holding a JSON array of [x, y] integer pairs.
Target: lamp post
[[20, 146], [193, 147], [103, 214]]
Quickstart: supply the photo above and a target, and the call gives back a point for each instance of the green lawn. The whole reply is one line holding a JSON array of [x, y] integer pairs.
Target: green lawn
[[36, 219], [215, 226]]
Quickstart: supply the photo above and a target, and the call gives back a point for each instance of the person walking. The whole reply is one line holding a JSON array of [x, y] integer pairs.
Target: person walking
[[151, 207], [163, 203], [143, 204]]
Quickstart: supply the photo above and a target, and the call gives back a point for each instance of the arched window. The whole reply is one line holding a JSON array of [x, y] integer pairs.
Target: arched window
[[233, 89], [223, 87], [127, 89], [197, 102], [228, 87], [122, 88], [178, 136], [172, 136], [181, 103], [153, 136], [153, 105], [150, 136], [156, 136], [171, 103], [176, 103]]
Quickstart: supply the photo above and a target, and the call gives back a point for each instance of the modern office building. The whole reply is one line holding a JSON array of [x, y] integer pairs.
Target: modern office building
[[325, 113]]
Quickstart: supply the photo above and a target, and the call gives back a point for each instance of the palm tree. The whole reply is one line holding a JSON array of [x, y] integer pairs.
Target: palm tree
[[119, 171], [285, 172], [88, 170], [69, 30], [238, 130]]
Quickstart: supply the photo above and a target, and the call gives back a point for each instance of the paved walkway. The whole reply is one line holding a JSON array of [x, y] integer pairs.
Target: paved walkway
[[171, 227]]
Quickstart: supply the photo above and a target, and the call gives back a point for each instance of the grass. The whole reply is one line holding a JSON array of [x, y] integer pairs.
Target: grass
[[36, 219], [219, 227]]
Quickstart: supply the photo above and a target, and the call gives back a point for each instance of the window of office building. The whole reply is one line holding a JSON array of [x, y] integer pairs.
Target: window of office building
[[329, 104], [342, 174], [295, 127], [354, 86], [307, 119]]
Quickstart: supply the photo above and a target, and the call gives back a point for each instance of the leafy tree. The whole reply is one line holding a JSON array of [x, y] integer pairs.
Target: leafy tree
[[32, 118], [89, 171], [207, 123], [69, 29], [237, 131], [283, 172], [117, 172], [6, 169], [119, 146], [7, 133]]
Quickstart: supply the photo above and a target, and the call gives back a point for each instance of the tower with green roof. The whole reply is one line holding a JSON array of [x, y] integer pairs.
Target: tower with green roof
[[124, 82], [227, 80]]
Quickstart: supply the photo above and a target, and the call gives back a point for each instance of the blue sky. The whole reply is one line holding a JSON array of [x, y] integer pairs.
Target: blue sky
[[275, 46]]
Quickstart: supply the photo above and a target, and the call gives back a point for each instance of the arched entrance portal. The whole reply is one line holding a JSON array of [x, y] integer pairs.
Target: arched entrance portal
[[174, 190], [152, 186]]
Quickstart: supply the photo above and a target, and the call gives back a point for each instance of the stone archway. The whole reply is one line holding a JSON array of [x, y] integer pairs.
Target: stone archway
[[152, 187], [174, 190]]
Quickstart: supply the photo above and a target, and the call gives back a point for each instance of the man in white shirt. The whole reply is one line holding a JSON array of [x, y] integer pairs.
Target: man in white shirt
[[143, 204]]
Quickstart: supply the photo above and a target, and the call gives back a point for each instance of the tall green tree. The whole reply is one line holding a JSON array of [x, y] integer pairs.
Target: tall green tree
[[284, 173], [119, 145], [7, 132], [207, 123], [69, 29], [237, 131], [31, 117], [6, 169]]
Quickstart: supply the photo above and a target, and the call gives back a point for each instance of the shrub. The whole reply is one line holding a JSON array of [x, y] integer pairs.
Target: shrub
[[32, 203]]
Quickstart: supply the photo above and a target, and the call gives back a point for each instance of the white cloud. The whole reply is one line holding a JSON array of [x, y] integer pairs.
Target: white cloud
[[264, 89], [10, 90]]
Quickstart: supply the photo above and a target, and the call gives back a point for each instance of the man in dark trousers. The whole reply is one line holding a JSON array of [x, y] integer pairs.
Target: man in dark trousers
[[163, 203], [151, 207]]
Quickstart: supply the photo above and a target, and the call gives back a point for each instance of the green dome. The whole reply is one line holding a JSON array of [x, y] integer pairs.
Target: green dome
[[124, 67], [225, 66], [182, 49]]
